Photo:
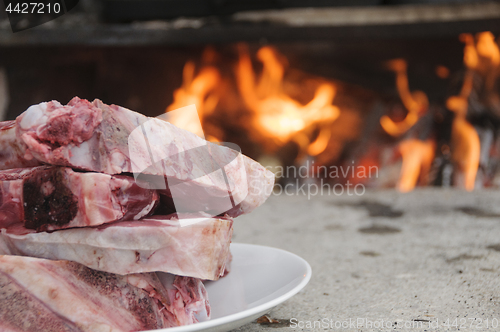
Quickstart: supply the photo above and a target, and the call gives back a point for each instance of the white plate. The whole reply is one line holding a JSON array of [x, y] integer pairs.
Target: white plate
[[260, 279]]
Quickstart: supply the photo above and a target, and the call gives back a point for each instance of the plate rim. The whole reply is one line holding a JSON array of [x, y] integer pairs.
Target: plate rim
[[252, 311]]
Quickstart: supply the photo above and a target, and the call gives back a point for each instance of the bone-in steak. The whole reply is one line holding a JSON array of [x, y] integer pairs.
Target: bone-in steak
[[196, 175], [197, 247], [55, 296], [49, 198]]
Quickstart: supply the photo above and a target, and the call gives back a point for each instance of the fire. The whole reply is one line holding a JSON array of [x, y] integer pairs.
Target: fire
[[417, 159], [490, 52], [465, 142], [471, 60], [481, 56], [277, 110], [470, 54], [487, 48], [417, 155], [276, 115], [195, 90], [319, 145], [416, 102]]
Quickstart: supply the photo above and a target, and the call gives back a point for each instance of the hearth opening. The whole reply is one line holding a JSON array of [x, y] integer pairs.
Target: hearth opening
[[383, 95]]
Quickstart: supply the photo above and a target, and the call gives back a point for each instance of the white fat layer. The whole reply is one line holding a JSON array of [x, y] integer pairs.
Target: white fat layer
[[34, 115], [190, 221], [81, 155]]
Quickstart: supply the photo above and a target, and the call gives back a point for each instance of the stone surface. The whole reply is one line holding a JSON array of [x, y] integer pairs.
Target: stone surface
[[431, 256]]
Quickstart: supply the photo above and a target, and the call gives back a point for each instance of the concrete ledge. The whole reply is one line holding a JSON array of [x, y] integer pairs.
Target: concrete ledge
[[422, 257]]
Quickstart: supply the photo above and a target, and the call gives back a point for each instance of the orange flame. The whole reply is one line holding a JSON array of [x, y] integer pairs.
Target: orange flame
[[417, 158], [471, 61], [465, 142], [481, 57], [320, 144], [197, 90], [416, 102], [417, 155], [487, 48], [277, 115]]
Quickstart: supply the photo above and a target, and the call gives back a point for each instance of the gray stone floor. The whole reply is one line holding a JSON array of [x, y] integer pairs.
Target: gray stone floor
[[431, 256]]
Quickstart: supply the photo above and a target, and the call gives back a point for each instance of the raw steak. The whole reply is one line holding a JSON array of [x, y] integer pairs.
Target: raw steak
[[194, 174], [197, 247], [48, 198], [54, 296]]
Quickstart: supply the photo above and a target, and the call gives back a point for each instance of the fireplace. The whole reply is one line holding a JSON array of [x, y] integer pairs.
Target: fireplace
[[384, 95]]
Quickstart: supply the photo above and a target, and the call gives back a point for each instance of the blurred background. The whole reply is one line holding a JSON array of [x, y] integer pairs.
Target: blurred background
[[407, 88]]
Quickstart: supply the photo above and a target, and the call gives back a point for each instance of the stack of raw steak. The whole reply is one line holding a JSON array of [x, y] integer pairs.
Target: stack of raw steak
[[110, 220]]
